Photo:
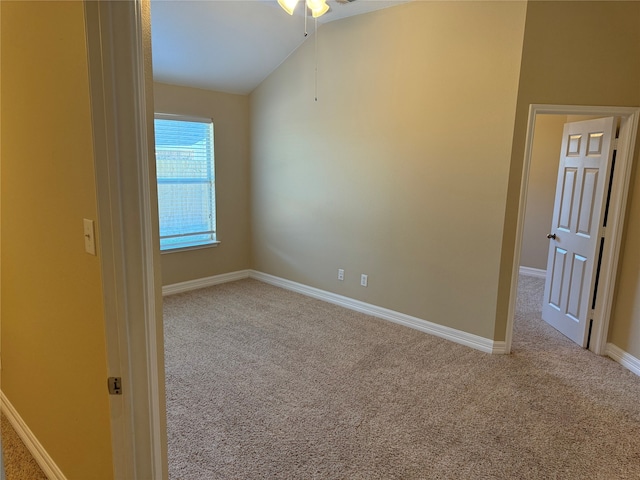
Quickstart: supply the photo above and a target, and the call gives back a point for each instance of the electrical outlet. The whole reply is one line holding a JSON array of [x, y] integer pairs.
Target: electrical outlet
[[364, 280], [340, 274]]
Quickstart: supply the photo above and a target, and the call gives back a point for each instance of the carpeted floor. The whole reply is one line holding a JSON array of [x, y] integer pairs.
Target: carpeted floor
[[263, 382], [18, 462]]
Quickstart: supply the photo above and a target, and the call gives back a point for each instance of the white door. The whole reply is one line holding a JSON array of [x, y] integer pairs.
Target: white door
[[581, 191]]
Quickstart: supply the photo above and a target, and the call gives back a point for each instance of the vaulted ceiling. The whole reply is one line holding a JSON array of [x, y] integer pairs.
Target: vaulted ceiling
[[232, 45]]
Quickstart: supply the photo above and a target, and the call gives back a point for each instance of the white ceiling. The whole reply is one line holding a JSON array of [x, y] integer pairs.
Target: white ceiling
[[232, 45]]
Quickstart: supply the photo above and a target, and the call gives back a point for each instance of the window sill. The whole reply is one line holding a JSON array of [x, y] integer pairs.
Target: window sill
[[186, 249]]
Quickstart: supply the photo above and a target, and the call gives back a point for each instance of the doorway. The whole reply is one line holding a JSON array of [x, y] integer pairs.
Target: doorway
[[537, 197]]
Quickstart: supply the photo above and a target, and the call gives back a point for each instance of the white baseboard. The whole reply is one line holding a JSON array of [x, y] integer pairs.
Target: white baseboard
[[474, 341], [204, 282], [457, 336], [499, 348], [623, 358], [448, 333], [38, 452], [533, 272]]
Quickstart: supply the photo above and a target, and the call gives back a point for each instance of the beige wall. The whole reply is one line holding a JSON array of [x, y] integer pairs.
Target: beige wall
[[580, 53], [53, 337], [400, 169], [541, 191], [230, 114]]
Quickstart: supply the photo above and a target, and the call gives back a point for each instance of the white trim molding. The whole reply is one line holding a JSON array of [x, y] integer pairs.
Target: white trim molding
[[623, 358], [198, 283], [457, 336], [533, 272], [118, 51], [40, 455], [499, 347]]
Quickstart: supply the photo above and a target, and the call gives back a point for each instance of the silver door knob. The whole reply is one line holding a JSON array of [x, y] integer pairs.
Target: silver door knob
[[551, 236]]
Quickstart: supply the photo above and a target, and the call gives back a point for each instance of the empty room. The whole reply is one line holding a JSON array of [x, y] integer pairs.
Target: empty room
[[341, 239]]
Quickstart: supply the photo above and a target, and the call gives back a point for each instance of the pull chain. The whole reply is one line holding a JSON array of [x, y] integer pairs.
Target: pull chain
[[316, 61]]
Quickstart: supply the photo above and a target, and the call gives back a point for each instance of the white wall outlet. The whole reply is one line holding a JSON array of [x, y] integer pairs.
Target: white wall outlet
[[89, 237], [364, 280], [341, 274]]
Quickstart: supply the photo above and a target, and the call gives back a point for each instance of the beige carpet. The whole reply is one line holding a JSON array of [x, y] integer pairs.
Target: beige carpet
[[18, 462], [266, 383]]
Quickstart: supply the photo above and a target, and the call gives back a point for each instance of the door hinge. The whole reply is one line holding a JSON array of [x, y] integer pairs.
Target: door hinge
[[115, 385], [615, 144]]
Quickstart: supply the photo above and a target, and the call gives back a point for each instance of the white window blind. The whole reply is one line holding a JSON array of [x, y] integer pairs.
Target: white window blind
[[186, 182]]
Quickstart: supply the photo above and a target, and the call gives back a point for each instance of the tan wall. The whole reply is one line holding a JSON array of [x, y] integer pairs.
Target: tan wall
[[580, 53], [543, 173], [53, 337], [400, 169], [230, 114]]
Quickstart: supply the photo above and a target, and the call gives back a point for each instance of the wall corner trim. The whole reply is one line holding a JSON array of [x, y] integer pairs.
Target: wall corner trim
[[457, 336], [499, 348], [204, 282], [533, 272], [623, 358], [36, 449]]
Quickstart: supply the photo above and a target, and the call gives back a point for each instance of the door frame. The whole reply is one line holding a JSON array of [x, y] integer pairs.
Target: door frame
[[617, 211], [120, 80]]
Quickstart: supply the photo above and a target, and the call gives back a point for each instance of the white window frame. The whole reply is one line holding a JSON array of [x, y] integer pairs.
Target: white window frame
[[214, 240]]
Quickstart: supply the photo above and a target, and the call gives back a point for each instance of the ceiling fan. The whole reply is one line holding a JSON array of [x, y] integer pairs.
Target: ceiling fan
[[317, 7]]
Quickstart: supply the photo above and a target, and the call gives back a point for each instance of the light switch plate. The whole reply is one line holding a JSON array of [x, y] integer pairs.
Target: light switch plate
[[89, 237]]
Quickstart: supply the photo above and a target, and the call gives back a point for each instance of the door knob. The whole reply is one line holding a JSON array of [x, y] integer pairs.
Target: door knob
[[551, 236]]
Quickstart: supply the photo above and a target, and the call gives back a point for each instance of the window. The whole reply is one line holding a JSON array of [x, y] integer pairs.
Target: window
[[186, 181]]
